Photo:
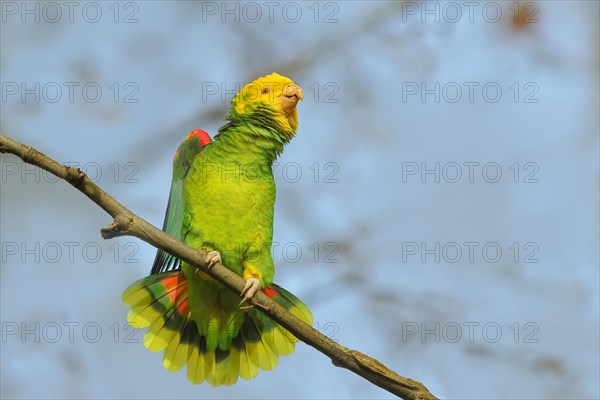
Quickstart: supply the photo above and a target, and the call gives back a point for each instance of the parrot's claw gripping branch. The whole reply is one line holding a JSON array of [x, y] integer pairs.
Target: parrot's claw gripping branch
[[250, 289], [213, 258], [127, 223]]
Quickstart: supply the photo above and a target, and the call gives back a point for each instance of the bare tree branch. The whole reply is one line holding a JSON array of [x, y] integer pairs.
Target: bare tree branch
[[126, 223]]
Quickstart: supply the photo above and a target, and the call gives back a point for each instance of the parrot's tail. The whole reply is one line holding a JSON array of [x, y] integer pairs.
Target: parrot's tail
[[160, 301]]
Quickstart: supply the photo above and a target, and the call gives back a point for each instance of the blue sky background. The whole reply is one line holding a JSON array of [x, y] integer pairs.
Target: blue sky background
[[478, 278]]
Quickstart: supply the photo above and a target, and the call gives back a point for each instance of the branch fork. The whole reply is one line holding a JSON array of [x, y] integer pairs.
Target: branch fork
[[121, 226]]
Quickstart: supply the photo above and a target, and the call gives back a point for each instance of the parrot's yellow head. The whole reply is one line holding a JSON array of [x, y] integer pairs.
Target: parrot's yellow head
[[276, 92]]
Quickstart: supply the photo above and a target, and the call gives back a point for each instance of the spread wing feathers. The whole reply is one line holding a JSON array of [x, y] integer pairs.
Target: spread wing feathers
[[189, 149], [282, 338], [160, 302]]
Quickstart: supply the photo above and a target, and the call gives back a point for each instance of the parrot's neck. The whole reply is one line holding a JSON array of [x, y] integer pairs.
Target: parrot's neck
[[248, 143], [256, 139]]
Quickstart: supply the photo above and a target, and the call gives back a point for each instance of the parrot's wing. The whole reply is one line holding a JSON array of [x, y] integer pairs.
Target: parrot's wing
[[189, 149]]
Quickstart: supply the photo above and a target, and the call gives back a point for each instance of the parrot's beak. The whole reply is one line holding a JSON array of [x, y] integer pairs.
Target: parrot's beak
[[290, 96]]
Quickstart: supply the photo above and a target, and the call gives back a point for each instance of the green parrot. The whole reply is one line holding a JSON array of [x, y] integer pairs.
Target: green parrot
[[222, 201]]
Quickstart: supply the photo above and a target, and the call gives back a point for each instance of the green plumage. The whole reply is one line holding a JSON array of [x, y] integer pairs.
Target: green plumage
[[229, 201], [222, 198]]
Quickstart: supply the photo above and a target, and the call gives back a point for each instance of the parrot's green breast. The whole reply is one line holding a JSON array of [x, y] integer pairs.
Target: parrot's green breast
[[230, 209]]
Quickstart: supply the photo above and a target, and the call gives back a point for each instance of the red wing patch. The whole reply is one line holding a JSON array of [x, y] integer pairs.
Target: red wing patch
[[270, 292], [201, 135], [173, 286]]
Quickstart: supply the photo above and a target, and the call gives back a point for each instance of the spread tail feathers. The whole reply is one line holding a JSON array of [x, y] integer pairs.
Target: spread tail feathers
[[160, 302]]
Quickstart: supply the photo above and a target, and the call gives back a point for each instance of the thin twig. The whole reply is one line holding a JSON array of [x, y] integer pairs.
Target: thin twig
[[126, 223]]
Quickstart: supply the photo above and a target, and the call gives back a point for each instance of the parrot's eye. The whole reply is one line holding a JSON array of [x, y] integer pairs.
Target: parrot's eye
[[265, 90]]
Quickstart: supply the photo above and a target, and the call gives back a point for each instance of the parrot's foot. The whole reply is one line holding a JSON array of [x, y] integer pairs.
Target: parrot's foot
[[252, 286], [212, 258]]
